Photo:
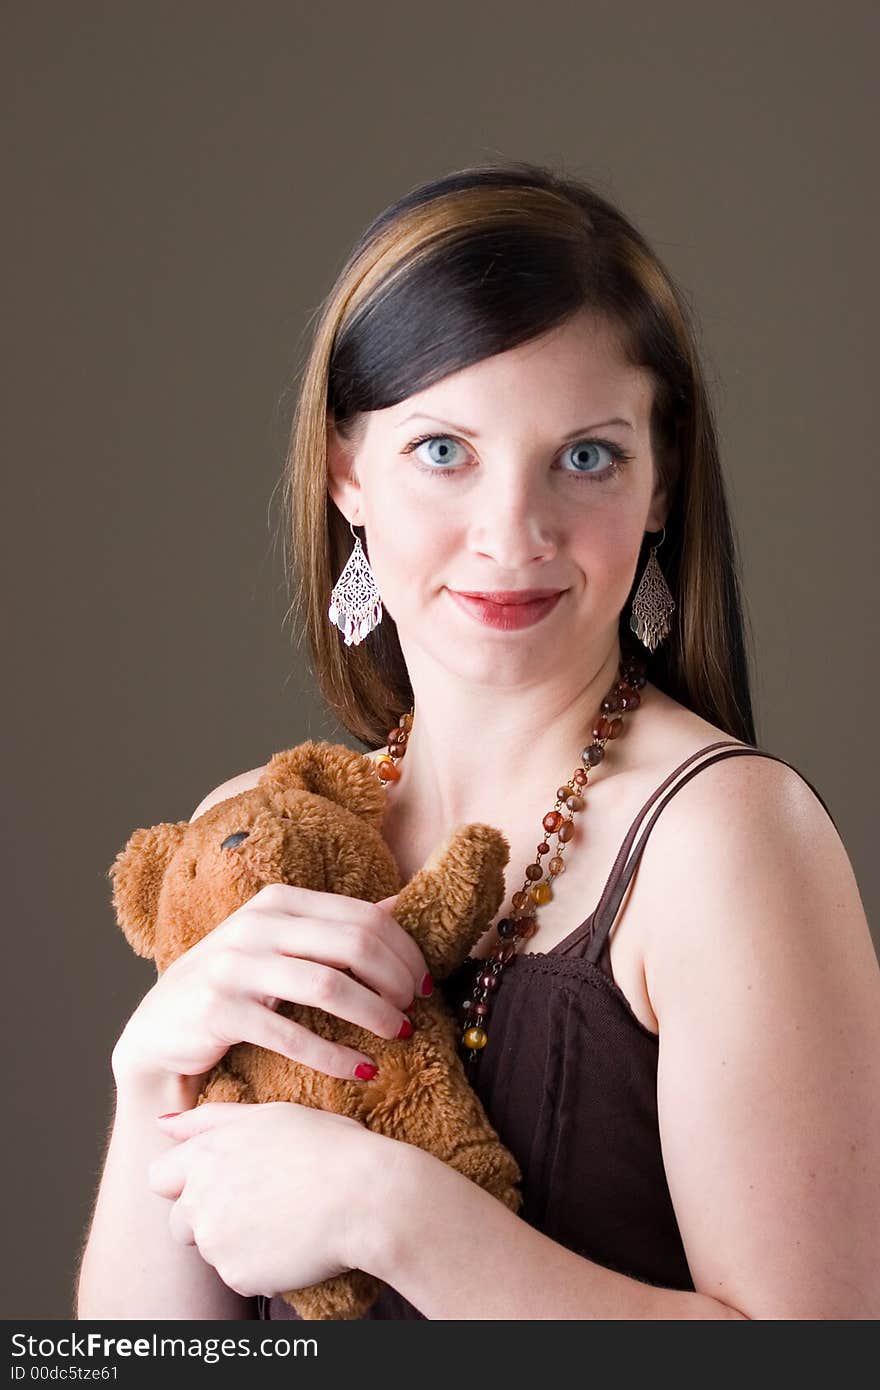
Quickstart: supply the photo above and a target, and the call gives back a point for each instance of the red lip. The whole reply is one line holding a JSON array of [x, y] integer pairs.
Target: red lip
[[508, 595], [516, 610]]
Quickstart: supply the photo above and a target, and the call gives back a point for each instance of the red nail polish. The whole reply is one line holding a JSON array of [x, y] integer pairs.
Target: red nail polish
[[427, 986], [171, 1114], [365, 1071], [406, 1029]]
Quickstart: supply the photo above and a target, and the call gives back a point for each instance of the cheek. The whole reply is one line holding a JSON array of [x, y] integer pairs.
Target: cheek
[[407, 550], [606, 546]]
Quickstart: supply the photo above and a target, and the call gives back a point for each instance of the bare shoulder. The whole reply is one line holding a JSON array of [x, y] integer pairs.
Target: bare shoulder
[[242, 783], [745, 852], [745, 826], [737, 801]]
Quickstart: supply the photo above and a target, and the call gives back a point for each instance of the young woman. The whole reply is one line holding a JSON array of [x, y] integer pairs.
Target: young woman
[[504, 394]]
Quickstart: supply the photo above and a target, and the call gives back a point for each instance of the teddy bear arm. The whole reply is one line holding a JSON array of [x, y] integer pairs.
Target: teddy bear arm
[[450, 902]]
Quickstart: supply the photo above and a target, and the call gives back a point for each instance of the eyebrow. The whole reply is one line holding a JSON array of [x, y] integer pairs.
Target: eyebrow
[[462, 429]]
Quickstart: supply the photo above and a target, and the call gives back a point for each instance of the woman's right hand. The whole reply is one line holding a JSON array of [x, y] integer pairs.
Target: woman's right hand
[[285, 943]]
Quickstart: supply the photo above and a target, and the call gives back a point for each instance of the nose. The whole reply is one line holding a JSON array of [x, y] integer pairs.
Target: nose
[[513, 526]]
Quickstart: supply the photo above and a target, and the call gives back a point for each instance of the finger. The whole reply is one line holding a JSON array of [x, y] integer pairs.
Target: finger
[[320, 986], [179, 1225], [264, 1028], [186, 1123], [345, 946], [289, 899]]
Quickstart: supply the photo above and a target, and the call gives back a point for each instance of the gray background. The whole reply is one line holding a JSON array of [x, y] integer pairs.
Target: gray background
[[182, 182]]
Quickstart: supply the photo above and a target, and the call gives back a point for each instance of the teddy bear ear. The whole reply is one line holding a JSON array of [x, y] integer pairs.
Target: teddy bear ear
[[341, 774], [137, 873]]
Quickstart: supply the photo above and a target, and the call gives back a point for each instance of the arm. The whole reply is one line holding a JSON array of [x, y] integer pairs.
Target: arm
[[766, 987], [768, 998], [131, 1267], [457, 1253]]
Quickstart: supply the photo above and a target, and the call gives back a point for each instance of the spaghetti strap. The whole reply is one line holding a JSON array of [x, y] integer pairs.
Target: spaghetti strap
[[606, 911], [596, 927]]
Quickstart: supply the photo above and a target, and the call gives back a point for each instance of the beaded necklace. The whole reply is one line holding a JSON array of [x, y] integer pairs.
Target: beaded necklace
[[522, 923]]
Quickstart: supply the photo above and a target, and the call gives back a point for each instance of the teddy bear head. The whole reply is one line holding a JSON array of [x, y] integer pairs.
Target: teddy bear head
[[313, 819]]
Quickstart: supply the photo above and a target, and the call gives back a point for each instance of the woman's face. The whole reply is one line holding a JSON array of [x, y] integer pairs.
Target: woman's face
[[523, 483]]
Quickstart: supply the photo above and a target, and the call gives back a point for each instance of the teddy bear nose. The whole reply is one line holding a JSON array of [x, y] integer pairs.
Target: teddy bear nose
[[232, 840]]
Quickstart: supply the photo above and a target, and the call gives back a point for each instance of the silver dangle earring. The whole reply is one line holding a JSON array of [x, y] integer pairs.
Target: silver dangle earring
[[355, 605], [653, 603]]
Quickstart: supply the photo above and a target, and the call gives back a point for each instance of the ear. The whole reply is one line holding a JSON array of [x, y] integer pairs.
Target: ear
[[342, 479], [331, 770], [137, 873], [659, 508], [666, 469]]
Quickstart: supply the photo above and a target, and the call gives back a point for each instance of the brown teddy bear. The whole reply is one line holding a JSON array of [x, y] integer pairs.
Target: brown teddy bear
[[314, 820]]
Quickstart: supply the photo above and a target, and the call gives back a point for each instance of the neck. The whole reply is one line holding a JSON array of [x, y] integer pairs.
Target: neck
[[493, 754]]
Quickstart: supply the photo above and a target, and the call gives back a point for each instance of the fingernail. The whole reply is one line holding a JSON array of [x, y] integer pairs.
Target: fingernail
[[365, 1071], [406, 1029], [427, 986], [171, 1114]]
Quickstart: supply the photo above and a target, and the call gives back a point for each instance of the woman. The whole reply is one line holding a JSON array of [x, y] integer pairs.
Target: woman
[[504, 393]]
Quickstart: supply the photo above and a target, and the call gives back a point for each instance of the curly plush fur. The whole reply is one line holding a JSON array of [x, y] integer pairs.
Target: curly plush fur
[[314, 820]]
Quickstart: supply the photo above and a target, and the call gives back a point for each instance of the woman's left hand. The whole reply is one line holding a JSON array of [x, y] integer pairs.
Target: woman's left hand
[[273, 1196]]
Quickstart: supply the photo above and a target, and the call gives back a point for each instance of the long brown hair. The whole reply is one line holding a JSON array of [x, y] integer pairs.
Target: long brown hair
[[457, 270]]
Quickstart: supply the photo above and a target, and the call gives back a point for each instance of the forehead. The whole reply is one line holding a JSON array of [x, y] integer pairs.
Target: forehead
[[550, 381]]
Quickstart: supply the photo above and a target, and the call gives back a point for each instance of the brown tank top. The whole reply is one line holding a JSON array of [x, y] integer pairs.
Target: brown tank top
[[569, 1082]]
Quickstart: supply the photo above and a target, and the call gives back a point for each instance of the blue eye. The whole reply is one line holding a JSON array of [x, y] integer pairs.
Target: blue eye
[[442, 451], [585, 454]]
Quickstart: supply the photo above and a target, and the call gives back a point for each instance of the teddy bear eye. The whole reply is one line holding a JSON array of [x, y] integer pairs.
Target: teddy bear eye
[[232, 840]]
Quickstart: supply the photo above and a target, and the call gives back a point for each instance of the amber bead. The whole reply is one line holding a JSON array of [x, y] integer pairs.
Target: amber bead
[[406, 722], [552, 821], [565, 832], [593, 754], [393, 736], [386, 771], [579, 777], [475, 1038], [630, 699], [575, 802], [541, 894], [505, 952], [615, 728], [533, 871], [543, 848], [527, 927], [611, 703], [601, 727], [507, 928], [519, 899], [556, 865]]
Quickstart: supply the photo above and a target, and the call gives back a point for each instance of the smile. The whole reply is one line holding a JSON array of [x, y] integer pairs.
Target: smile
[[507, 616]]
